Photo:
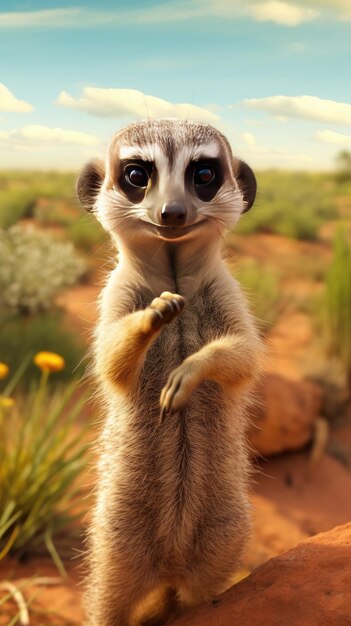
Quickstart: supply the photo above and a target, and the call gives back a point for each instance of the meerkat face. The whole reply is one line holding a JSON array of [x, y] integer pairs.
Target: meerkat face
[[168, 179]]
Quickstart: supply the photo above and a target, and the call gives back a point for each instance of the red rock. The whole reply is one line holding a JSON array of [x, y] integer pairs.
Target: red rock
[[284, 415], [307, 586]]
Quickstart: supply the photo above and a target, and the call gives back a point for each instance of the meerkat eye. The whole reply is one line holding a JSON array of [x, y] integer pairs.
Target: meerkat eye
[[203, 175], [136, 175]]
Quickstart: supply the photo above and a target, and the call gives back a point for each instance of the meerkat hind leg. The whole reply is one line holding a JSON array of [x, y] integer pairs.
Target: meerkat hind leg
[[195, 592], [117, 586], [159, 607]]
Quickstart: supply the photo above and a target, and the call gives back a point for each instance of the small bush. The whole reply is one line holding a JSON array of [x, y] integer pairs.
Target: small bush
[[40, 459], [14, 205], [86, 233], [302, 225], [21, 191], [343, 165], [56, 185], [290, 204], [21, 336], [336, 303], [261, 285], [34, 267], [55, 213]]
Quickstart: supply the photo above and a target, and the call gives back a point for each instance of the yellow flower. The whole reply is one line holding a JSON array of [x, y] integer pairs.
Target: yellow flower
[[49, 361], [4, 370], [6, 402]]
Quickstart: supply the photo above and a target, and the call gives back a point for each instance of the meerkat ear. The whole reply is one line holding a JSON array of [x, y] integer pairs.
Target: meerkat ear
[[247, 183], [89, 182]]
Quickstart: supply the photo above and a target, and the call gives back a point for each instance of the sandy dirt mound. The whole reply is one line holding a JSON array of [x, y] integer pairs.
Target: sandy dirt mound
[[308, 585]]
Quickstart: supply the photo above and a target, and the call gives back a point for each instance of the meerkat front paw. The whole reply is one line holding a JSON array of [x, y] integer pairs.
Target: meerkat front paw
[[179, 387], [163, 310]]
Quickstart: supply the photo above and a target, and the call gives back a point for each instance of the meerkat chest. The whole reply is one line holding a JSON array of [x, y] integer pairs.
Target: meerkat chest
[[202, 320]]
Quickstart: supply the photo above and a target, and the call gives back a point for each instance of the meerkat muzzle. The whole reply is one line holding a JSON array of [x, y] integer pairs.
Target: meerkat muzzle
[[173, 214]]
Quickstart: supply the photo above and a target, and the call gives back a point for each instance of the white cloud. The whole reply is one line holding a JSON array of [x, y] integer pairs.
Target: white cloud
[[34, 136], [341, 9], [277, 11], [288, 13], [59, 18], [118, 103], [83, 17], [248, 138], [282, 13], [329, 136], [251, 121], [304, 107], [8, 102]]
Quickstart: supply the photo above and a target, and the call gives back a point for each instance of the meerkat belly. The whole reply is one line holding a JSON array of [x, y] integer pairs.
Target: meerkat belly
[[190, 448], [174, 479]]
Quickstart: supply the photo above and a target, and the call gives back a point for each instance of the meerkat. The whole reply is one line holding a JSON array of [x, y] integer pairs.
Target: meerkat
[[176, 353]]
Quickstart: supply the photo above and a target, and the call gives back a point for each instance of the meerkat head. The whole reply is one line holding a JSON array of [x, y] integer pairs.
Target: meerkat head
[[167, 179]]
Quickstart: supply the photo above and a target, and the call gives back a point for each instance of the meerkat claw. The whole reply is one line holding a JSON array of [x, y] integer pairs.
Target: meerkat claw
[[167, 306], [163, 414], [167, 399], [177, 305]]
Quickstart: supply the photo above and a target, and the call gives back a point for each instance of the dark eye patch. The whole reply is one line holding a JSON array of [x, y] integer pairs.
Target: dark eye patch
[[129, 174], [205, 178], [136, 175], [203, 175]]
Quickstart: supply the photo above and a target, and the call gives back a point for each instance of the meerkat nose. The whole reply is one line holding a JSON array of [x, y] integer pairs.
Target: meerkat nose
[[173, 214]]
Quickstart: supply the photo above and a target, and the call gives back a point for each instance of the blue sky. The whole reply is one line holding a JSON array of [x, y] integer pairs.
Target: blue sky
[[272, 74]]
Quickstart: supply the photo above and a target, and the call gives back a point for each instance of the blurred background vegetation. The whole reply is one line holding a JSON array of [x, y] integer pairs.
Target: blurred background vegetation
[[46, 245], [42, 454]]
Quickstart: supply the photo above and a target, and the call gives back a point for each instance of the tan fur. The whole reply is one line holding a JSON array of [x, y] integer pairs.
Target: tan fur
[[172, 512]]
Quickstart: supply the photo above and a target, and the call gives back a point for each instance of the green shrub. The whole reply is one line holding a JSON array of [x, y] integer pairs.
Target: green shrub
[[34, 266], [55, 185], [20, 192], [343, 165], [14, 205], [23, 335], [55, 213], [302, 225], [261, 284], [86, 233], [336, 303], [291, 204], [40, 458]]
